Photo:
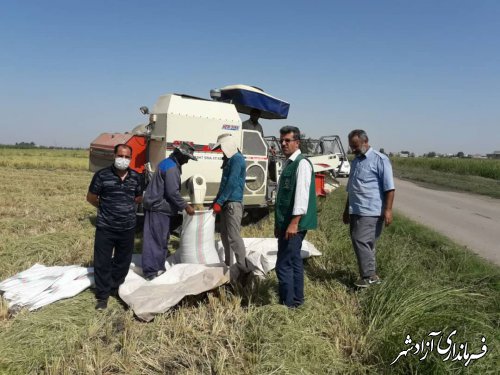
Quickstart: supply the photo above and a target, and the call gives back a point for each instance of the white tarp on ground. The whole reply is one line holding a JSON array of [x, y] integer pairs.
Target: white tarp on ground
[[40, 285], [147, 298], [263, 252]]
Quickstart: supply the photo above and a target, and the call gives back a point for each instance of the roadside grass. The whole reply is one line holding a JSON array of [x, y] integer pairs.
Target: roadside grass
[[450, 181], [467, 175], [430, 284]]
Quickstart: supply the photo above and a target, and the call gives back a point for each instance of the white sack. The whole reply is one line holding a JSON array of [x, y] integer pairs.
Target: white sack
[[68, 285], [197, 243], [34, 273], [41, 285]]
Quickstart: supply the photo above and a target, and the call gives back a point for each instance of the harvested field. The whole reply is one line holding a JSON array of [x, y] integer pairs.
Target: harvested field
[[430, 284]]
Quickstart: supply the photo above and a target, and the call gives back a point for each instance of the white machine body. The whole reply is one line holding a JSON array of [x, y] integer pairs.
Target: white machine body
[[181, 118]]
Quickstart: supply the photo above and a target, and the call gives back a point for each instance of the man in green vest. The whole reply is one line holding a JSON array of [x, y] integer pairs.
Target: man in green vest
[[295, 214]]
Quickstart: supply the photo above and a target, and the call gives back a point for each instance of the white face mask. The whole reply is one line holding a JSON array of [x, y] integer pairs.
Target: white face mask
[[122, 163]]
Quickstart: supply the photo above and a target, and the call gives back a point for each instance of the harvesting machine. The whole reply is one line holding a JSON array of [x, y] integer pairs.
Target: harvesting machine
[[179, 118]]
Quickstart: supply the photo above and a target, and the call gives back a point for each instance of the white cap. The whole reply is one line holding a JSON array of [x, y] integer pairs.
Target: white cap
[[227, 143]]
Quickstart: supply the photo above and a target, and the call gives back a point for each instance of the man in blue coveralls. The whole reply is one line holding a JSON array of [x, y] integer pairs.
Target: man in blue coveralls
[[370, 190], [162, 200]]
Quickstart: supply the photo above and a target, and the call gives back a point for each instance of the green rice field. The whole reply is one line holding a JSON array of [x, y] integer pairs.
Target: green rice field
[[478, 176], [487, 168]]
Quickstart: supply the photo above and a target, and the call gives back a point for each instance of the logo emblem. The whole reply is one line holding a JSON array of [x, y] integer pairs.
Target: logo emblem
[[230, 127]]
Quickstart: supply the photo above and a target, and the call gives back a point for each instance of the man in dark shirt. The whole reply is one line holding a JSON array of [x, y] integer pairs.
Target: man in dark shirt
[[114, 190], [162, 200], [253, 122]]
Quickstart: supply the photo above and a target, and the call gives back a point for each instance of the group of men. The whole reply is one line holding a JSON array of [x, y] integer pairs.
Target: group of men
[[117, 189]]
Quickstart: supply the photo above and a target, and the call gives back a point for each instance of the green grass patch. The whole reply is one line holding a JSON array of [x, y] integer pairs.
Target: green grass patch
[[487, 168], [34, 158]]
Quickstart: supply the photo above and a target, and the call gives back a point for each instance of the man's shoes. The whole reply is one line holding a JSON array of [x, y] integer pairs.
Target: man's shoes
[[234, 275], [154, 275], [368, 281], [101, 305]]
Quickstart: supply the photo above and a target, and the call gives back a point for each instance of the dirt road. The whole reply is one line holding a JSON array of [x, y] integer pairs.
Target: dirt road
[[470, 220]]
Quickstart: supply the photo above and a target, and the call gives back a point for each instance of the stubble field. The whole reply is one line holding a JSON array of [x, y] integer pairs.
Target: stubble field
[[430, 284]]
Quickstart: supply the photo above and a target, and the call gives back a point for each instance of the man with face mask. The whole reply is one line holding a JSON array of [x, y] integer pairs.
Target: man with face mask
[[162, 200], [370, 194], [114, 190], [229, 204]]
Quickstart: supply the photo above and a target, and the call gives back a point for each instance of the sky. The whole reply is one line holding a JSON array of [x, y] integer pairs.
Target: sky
[[415, 75]]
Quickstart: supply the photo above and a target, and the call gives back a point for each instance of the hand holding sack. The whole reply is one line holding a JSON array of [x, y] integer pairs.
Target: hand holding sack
[[217, 208]]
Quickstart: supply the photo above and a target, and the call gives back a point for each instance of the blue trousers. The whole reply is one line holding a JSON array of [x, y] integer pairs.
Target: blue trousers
[[112, 257], [155, 242], [290, 270]]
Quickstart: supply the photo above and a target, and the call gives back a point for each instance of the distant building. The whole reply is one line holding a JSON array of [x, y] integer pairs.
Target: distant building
[[494, 155]]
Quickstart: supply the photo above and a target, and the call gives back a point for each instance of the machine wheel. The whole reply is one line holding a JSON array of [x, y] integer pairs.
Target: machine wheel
[[254, 215]]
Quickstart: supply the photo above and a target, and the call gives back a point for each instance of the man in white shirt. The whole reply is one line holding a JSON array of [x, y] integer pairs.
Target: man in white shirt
[[295, 214]]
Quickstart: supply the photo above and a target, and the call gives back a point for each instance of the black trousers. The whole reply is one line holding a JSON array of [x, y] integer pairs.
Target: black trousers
[[110, 268]]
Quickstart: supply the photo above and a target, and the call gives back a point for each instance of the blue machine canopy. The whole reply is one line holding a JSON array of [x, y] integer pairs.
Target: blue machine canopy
[[246, 98]]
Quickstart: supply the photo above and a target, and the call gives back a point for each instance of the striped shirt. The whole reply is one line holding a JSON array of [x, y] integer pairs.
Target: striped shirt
[[116, 198]]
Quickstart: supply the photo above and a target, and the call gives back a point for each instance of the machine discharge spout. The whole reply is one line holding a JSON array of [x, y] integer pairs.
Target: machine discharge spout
[[197, 188]]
